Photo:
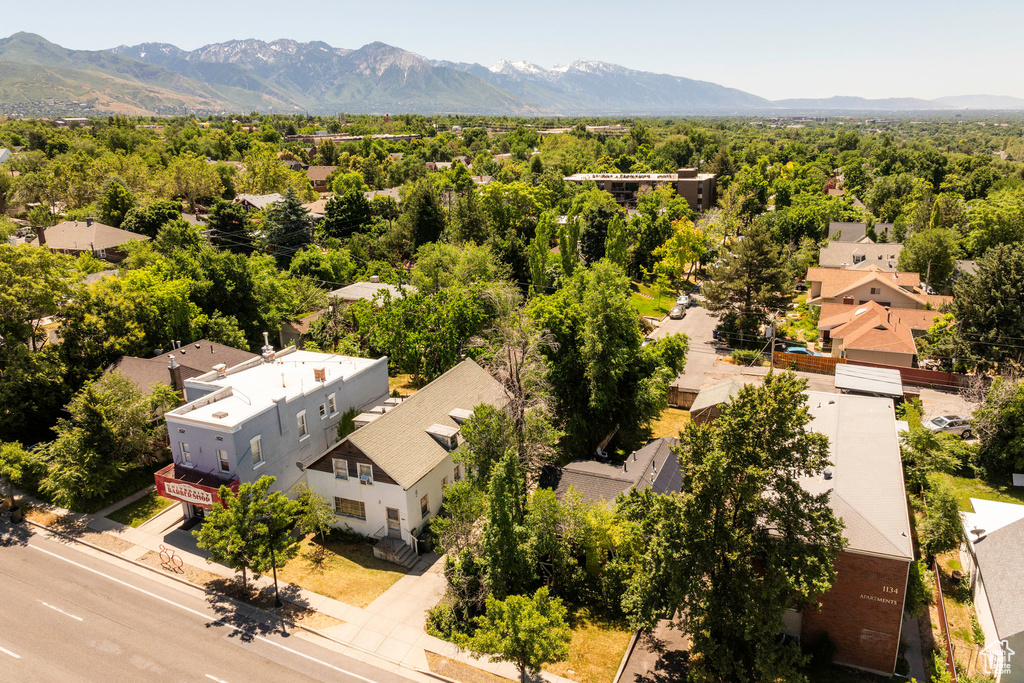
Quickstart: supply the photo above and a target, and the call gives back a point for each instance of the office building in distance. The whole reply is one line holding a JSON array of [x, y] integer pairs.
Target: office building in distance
[[698, 189]]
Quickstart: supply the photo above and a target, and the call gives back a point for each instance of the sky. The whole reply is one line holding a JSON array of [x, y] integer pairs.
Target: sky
[[871, 48]]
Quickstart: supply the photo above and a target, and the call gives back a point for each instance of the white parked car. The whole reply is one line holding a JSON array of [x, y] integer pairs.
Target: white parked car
[[684, 300]]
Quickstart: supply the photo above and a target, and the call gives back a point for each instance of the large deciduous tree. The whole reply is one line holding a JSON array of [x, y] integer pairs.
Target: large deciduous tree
[[527, 631], [932, 253], [743, 541], [990, 306]]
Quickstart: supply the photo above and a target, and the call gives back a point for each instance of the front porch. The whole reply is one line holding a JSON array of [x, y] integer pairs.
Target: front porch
[[395, 550]]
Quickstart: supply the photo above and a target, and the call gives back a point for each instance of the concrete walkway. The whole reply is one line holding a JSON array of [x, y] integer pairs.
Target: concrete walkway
[[392, 627]]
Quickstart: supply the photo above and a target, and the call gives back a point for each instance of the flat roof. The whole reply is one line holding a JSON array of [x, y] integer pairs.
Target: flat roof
[[649, 177], [867, 380], [251, 387], [866, 486]]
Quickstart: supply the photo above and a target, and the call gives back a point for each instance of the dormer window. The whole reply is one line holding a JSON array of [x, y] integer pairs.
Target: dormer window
[[460, 415], [445, 435]]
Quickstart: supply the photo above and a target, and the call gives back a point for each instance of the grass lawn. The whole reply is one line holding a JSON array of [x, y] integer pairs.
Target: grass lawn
[[967, 488], [652, 307], [842, 674], [403, 384], [595, 651], [670, 423], [350, 573], [137, 513]]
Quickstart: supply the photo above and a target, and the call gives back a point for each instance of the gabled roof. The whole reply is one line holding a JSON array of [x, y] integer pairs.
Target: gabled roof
[[654, 467], [845, 254], [835, 282], [866, 484], [319, 173], [259, 201], [722, 392], [368, 290], [833, 315], [847, 232], [872, 327], [195, 359], [80, 236], [1000, 556], [398, 441]]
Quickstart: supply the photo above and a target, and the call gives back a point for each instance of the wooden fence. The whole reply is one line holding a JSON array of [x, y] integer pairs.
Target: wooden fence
[[943, 624], [826, 365]]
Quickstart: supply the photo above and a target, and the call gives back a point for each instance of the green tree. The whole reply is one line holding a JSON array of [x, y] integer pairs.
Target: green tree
[[682, 250], [616, 246], [932, 253], [527, 631], [149, 219], [752, 281], [344, 183], [422, 215], [488, 436], [115, 204], [540, 253], [942, 529], [999, 424], [347, 213], [191, 178], [595, 209], [228, 227], [12, 456], [505, 535], [990, 306], [329, 268], [250, 527], [568, 246], [286, 227], [742, 541], [110, 432], [464, 504]]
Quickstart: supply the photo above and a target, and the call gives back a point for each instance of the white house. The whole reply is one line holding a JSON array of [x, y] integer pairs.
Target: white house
[[994, 556], [386, 479], [5, 154]]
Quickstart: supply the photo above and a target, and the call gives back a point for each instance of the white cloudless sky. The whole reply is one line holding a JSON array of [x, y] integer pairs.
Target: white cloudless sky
[[871, 48]]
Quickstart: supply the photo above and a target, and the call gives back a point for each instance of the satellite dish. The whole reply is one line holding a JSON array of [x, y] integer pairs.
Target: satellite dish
[[977, 532]]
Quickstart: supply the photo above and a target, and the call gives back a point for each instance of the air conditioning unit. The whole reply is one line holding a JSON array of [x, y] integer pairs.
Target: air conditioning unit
[[366, 480]]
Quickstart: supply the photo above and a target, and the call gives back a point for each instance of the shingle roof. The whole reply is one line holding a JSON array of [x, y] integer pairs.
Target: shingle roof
[[652, 467], [871, 327], [195, 359], [867, 489], [833, 314], [723, 392], [319, 173], [846, 232], [842, 255], [398, 441], [837, 281], [80, 236], [368, 290], [260, 201], [1000, 557]]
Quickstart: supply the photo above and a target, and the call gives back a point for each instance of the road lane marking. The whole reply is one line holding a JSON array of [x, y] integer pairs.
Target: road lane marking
[[8, 652], [214, 678], [199, 614], [58, 609]]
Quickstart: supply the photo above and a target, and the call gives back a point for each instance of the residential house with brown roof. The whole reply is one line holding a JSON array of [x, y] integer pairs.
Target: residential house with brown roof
[[871, 332], [894, 289], [105, 242], [318, 177], [183, 362], [258, 202], [387, 478]]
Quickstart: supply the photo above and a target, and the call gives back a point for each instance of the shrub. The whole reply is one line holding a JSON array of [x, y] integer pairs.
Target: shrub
[[747, 356]]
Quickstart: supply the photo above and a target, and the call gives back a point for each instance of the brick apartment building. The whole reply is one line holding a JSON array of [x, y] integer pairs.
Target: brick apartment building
[[863, 611], [698, 189]]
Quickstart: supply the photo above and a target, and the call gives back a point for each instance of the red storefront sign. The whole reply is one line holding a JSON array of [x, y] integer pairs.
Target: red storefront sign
[[189, 486]]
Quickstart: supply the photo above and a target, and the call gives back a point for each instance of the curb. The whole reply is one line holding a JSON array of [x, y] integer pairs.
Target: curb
[[237, 603]]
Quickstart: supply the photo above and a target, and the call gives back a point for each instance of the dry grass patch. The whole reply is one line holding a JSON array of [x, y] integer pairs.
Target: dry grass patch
[[405, 385], [41, 516], [595, 651], [460, 671], [349, 573], [670, 422]]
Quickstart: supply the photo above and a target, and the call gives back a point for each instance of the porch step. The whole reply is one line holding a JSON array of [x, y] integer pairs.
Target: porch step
[[395, 550]]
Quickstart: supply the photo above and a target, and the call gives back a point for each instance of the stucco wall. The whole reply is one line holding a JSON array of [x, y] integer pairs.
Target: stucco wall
[[902, 360]]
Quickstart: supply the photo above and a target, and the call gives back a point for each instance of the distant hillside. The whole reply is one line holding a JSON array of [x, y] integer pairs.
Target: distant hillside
[[855, 104]]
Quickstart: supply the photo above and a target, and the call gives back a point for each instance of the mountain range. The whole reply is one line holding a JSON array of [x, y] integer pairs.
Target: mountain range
[[289, 76]]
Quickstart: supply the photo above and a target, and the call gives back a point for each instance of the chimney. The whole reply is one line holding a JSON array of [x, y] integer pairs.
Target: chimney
[[268, 350], [375, 279], [177, 383], [88, 221], [41, 231], [624, 466], [222, 369]]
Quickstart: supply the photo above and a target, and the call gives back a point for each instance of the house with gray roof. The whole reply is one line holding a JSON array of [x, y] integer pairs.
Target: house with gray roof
[[994, 556], [258, 202], [847, 231], [387, 478], [860, 255], [183, 362], [369, 290], [653, 467]]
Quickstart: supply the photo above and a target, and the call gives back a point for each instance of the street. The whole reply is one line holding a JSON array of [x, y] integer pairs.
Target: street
[[69, 616], [698, 325]]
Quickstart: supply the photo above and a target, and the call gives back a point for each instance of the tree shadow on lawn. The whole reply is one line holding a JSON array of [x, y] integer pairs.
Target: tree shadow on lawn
[[251, 612]]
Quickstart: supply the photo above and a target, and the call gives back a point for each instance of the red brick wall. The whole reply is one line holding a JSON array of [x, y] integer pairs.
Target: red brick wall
[[862, 612]]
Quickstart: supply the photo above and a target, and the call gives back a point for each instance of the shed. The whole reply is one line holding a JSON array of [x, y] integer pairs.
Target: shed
[[706, 406], [868, 381]]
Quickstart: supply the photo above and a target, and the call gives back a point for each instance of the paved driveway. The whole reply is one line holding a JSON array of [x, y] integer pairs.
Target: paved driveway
[[698, 325]]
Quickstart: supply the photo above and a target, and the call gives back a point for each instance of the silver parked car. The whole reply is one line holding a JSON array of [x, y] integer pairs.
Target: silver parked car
[[954, 424]]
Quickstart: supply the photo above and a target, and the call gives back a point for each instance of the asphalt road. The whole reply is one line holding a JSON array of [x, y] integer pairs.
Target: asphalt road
[[698, 325], [66, 615]]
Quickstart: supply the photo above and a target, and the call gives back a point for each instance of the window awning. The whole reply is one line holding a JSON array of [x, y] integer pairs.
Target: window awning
[[190, 486]]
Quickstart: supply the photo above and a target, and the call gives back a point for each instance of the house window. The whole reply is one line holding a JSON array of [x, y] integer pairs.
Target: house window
[[340, 468], [457, 475], [222, 460], [365, 474], [186, 454], [257, 452], [323, 411], [444, 482], [425, 506], [332, 404], [875, 290], [857, 258], [301, 420], [344, 507]]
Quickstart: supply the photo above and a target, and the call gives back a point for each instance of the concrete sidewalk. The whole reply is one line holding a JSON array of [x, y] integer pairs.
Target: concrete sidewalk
[[392, 627]]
